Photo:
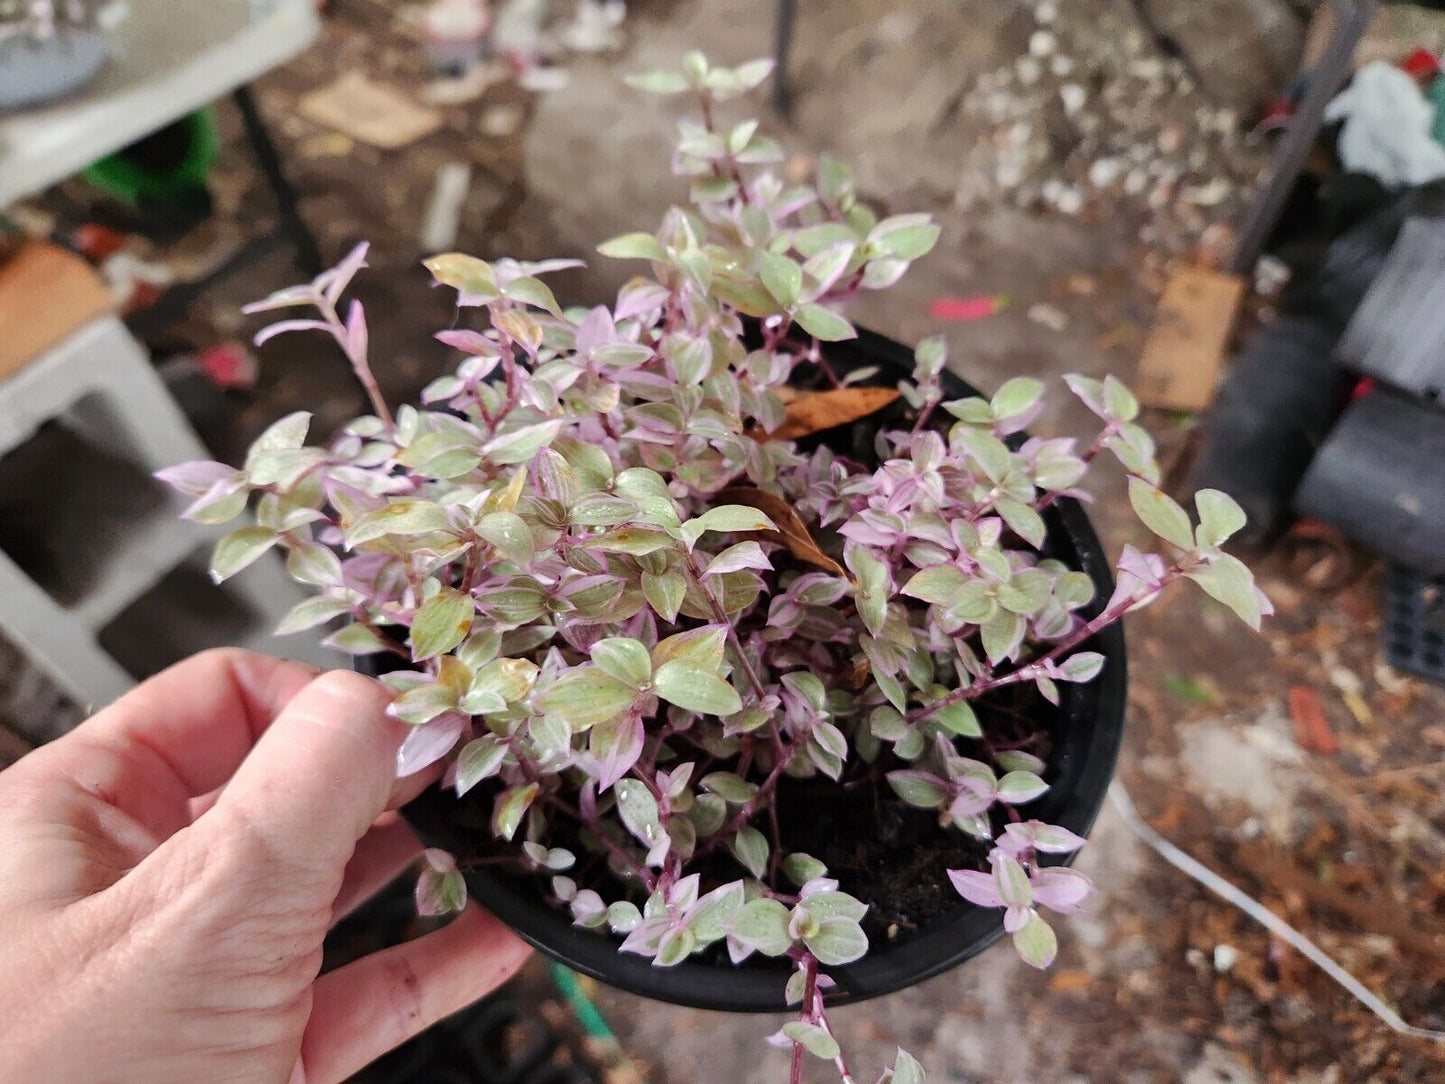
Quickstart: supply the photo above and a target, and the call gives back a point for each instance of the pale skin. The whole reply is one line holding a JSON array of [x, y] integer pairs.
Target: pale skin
[[169, 869]]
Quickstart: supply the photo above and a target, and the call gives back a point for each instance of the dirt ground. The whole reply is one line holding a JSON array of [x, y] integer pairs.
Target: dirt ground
[[960, 109]]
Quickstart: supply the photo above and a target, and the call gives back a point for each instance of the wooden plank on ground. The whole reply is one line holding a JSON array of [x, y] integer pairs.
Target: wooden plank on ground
[[371, 112], [1189, 339]]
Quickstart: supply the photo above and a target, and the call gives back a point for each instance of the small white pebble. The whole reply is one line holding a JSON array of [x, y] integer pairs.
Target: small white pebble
[[500, 121], [1105, 172], [1042, 43], [1211, 194], [1270, 276], [1046, 12], [1074, 97], [1070, 201], [1149, 69], [1028, 70], [1061, 65], [1225, 957], [1135, 182], [1049, 316]]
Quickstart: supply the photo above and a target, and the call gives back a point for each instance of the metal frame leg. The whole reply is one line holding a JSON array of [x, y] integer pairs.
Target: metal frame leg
[[1352, 18], [308, 252], [785, 17]]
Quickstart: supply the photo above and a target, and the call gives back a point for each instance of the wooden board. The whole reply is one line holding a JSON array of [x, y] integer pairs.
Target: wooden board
[[46, 293], [1188, 340], [371, 112]]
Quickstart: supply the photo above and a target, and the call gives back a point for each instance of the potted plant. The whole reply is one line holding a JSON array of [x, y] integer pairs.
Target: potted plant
[[769, 664], [51, 47]]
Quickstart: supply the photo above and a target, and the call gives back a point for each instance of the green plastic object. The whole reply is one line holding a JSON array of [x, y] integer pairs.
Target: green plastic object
[[139, 178], [588, 1016]]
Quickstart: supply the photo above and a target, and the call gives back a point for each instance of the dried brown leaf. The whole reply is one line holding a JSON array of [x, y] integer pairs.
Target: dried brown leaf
[[1311, 729], [793, 531], [1071, 982], [812, 412]]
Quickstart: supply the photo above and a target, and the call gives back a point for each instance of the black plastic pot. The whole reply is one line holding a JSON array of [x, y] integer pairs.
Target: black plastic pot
[[1085, 732]]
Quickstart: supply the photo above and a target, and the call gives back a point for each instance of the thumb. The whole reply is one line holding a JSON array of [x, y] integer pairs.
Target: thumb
[[320, 774]]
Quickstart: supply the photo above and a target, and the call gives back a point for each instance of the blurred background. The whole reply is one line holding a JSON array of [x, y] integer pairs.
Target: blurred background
[[1233, 205]]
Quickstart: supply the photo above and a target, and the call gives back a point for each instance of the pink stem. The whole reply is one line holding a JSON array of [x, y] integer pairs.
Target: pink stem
[[359, 364], [810, 992], [1030, 670]]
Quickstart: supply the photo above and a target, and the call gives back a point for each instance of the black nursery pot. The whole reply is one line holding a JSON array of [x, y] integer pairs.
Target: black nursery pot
[[1085, 736]]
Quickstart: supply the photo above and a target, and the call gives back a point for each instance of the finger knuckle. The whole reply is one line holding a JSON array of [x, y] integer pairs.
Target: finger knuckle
[[226, 658], [347, 686]]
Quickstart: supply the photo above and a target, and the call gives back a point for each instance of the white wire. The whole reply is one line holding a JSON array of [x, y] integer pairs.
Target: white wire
[[1255, 910]]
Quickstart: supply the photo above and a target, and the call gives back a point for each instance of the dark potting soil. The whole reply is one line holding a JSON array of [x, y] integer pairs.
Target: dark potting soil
[[882, 851], [887, 854]]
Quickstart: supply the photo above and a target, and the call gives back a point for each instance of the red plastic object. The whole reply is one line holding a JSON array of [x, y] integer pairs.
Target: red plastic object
[[960, 309], [97, 242], [1362, 388], [1276, 116], [229, 365], [1421, 65]]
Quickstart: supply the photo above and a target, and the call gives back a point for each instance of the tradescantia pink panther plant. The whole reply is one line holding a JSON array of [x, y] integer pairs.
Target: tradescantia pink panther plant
[[628, 610]]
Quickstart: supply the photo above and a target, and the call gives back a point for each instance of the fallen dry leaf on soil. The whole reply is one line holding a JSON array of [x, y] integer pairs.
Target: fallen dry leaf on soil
[[1311, 729], [812, 412], [794, 532], [1070, 982]]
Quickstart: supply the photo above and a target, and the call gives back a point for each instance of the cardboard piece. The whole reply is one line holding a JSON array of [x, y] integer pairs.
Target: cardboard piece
[[370, 112], [1189, 339], [46, 293]]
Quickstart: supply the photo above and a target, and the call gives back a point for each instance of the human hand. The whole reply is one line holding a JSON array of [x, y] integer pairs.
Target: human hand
[[169, 869]]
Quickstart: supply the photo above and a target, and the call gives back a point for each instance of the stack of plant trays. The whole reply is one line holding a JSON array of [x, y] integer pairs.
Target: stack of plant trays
[[1415, 622]]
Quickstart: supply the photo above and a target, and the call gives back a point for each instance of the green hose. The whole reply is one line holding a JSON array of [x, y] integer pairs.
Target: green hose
[[592, 1022]]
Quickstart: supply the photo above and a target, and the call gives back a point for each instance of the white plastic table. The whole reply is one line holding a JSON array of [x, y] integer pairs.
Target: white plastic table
[[174, 57]]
